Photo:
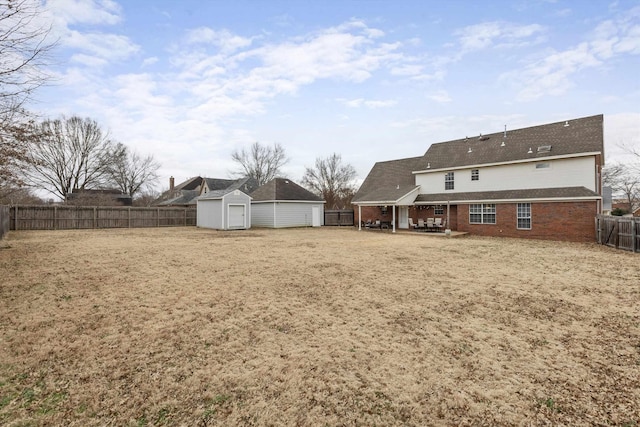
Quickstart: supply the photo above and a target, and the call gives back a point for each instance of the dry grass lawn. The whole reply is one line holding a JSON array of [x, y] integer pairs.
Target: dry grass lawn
[[309, 327]]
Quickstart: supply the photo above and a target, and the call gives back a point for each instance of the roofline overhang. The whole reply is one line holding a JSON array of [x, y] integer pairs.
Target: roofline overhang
[[517, 200], [386, 202], [532, 160], [288, 201]]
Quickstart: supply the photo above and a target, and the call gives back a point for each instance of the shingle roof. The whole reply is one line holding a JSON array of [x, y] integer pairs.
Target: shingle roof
[[183, 197], [388, 181], [214, 184], [488, 196], [582, 135], [283, 189]]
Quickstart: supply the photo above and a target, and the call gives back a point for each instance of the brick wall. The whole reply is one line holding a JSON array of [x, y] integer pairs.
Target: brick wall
[[569, 221]]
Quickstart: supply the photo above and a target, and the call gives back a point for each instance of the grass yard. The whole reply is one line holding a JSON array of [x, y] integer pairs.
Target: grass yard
[[313, 327]]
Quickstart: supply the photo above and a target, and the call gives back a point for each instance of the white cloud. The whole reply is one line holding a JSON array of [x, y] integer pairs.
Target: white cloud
[[223, 39], [501, 34], [370, 103], [552, 74], [70, 12], [111, 47], [441, 96]]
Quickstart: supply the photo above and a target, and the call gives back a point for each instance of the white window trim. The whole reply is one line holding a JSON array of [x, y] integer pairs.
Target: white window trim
[[518, 217], [482, 213]]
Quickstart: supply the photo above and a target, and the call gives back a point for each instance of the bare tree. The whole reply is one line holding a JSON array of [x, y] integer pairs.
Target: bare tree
[[130, 172], [261, 162], [624, 180], [24, 49], [72, 153], [332, 180], [14, 143]]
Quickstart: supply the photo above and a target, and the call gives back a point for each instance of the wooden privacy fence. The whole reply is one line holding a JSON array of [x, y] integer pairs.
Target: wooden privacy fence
[[338, 217], [4, 221], [619, 232], [83, 217]]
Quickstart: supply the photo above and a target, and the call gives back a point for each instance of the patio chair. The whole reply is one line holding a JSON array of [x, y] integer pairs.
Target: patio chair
[[429, 224], [437, 223], [420, 223], [411, 224]]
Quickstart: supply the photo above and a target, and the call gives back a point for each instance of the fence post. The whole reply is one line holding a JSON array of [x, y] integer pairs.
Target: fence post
[[15, 227], [129, 222], [55, 217], [157, 217]]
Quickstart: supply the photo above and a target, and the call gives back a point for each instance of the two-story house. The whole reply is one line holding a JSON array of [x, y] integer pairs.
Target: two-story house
[[540, 182]]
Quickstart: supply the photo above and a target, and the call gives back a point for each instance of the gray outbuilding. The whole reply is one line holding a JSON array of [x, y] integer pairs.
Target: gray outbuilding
[[282, 203], [224, 210]]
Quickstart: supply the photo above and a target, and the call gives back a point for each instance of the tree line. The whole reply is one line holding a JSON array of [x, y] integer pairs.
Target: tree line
[[74, 154]]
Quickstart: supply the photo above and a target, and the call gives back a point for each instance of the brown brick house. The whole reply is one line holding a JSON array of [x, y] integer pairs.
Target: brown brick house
[[541, 182]]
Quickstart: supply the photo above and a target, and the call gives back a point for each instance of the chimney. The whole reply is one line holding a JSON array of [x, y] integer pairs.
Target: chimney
[[171, 183]]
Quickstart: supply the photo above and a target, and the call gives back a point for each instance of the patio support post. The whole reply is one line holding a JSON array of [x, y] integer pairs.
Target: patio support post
[[393, 223], [359, 218]]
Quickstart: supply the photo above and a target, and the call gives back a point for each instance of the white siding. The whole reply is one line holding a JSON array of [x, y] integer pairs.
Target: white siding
[[577, 172], [237, 199], [209, 214], [262, 214], [213, 213], [287, 214]]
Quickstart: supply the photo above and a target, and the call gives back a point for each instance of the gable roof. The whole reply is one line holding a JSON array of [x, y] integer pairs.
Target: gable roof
[[282, 189], [563, 138], [246, 185], [388, 181], [214, 184]]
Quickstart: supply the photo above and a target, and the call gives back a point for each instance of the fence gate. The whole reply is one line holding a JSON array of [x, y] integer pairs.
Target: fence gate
[[338, 217], [619, 232]]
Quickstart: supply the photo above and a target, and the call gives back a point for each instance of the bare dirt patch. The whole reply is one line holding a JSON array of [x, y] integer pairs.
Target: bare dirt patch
[[315, 327]]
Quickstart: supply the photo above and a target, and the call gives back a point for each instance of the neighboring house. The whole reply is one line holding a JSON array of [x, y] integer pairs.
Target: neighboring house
[[105, 197], [187, 192], [227, 209], [624, 205], [181, 194], [282, 203], [540, 182]]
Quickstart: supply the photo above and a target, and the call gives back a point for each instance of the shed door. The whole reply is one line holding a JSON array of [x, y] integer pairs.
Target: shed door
[[236, 216]]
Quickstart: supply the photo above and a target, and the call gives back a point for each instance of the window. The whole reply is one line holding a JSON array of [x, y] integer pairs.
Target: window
[[482, 213], [544, 165], [475, 174], [438, 210], [524, 216], [448, 181]]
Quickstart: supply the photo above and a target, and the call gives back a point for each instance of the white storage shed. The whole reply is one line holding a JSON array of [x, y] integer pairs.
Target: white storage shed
[[224, 210], [282, 203]]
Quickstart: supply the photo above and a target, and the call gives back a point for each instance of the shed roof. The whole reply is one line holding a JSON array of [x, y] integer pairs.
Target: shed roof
[[283, 189]]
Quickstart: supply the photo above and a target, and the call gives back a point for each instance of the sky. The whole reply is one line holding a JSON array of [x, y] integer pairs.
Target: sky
[[191, 81]]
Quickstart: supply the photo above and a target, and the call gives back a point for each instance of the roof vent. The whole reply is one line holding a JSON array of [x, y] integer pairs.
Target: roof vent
[[544, 149], [503, 144], [530, 151], [470, 150], [398, 187], [566, 123], [428, 165], [482, 138]]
